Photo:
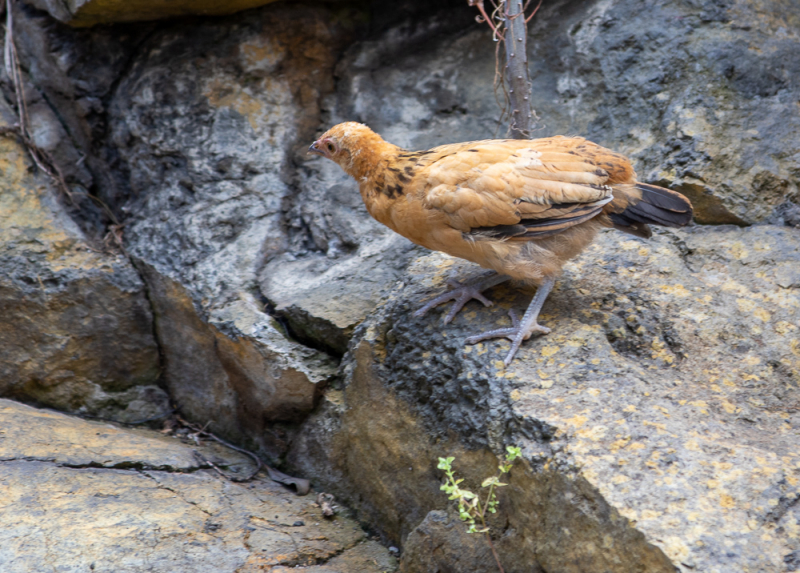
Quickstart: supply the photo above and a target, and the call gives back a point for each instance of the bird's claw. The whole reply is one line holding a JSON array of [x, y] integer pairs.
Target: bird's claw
[[460, 294], [511, 333], [515, 334]]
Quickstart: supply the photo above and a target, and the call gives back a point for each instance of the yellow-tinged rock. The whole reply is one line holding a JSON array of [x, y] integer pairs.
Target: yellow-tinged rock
[[76, 328], [102, 514], [82, 13]]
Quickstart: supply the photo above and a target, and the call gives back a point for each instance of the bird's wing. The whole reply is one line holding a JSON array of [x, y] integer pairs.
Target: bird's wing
[[517, 189]]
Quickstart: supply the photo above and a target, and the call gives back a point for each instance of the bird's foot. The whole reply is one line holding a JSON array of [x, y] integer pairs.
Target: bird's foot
[[521, 329], [462, 294], [516, 334]]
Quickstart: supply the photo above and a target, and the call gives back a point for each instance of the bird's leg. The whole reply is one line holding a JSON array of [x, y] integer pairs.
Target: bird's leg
[[463, 293], [520, 331]]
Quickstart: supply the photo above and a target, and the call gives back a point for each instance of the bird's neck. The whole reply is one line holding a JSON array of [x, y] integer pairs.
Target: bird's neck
[[368, 159]]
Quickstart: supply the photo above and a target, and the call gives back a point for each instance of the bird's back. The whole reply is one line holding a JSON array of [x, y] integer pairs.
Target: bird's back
[[496, 202]]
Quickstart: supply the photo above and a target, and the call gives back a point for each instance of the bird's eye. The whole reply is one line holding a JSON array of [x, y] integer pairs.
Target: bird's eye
[[331, 147]]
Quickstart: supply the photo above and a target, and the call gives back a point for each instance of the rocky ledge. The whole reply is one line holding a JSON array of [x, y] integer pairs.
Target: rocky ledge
[[659, 421], [90, 496]]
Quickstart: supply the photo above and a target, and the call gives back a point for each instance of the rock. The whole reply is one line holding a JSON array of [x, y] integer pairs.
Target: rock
[[441, 543], [323, 300], [231, 101], [367, 556], [67, 78], [236, 370], [218, 163], [77, 331], [88, 496], [82, 13], [658, 420]]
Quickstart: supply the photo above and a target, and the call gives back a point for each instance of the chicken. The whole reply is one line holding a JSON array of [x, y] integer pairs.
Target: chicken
[[521, 208]]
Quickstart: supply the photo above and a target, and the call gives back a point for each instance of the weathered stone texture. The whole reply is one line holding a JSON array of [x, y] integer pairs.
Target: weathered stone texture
[[334, 297], [658, 419], [82, 496], [237, 372], [205, 124], [76, 329]]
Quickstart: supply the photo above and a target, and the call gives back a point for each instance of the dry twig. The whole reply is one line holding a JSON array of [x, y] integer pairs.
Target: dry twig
[[302, 486], [41, 157]]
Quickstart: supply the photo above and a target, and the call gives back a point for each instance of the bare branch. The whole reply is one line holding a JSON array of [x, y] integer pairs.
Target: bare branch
[[514, 76], [517, 70], [529, 18]]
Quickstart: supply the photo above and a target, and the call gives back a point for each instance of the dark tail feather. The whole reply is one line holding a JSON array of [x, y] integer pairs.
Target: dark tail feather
[[626, 225], [656, 206], [662, 206]]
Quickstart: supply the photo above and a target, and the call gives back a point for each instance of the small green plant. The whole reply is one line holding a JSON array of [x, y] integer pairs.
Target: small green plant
[[471, 509]]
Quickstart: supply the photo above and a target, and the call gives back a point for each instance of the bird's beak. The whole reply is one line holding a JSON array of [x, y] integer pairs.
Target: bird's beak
[[314, 149]]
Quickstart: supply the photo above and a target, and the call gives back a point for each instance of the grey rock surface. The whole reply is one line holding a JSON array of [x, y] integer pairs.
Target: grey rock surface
[[68, 76], [333, 296], [85, 496], [205, 123], [658, 419]]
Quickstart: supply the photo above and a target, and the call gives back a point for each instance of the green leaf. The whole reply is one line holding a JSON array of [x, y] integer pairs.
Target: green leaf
[[490, 481]]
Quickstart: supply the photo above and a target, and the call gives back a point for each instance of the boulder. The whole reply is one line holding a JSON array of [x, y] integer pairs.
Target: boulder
[[198, 179], [323, 299], [658, 421], [205, 123], [77, 329], [82, 13], [237, 370], [89, 496]]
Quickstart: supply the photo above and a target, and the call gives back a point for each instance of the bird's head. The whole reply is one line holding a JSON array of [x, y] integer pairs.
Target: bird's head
[[352, 146]]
